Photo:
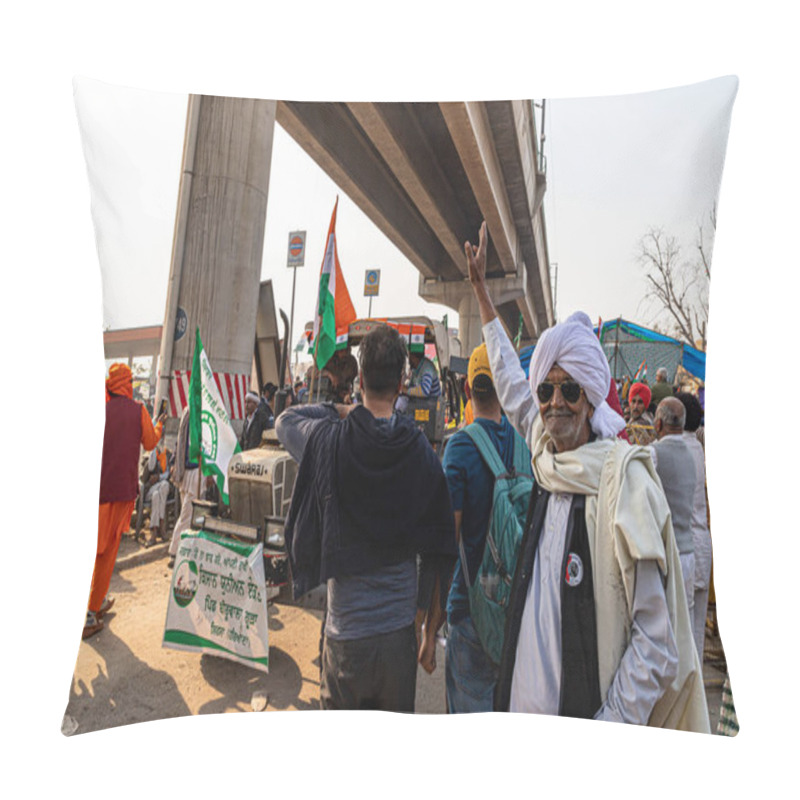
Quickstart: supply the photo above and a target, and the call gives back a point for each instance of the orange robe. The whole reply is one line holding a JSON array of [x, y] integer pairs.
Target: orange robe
[[114, 520]]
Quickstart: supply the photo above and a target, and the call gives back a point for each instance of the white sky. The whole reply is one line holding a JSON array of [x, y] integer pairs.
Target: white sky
[[52, 315], [616, 166]]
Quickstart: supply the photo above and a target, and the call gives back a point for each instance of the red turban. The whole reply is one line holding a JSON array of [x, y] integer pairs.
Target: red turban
[[613, 401], [641, 389], [119, 380]]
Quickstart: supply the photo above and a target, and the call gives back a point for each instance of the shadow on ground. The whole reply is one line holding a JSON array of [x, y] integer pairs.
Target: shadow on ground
[[238, 684], [142, 695]]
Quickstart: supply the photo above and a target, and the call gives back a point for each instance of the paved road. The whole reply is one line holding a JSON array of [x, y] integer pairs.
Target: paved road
[[123, 675]]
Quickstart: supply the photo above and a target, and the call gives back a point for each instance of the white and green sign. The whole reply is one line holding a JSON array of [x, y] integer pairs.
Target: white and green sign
[[218, 601], [211, 435]]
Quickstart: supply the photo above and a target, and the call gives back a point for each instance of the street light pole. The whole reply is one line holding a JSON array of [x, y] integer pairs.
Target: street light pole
[[290, 343]]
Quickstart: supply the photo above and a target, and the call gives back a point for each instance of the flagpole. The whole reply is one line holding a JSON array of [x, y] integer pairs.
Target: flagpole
[[200, 477], [315, 370]]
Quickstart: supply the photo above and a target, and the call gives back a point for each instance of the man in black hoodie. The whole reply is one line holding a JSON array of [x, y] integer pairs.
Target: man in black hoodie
[[370, 496]]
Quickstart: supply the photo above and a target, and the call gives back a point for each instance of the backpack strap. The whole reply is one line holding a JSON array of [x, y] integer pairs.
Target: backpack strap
[[487, 449], [522, 459], [492, 460]]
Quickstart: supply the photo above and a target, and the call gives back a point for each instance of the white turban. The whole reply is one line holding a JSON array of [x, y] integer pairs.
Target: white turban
[[252, 396], [573, 345]]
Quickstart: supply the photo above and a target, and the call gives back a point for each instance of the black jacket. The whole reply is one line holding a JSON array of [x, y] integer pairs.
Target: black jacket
[[367, 495], [251, 436], [580, 681]]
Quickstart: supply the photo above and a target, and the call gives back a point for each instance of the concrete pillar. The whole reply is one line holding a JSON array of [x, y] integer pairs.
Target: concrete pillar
[[469, 323], [460, 296], [219, 240]]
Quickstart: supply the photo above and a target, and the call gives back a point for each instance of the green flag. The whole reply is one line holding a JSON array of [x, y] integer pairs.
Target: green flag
[[518, 337], [211, 435]]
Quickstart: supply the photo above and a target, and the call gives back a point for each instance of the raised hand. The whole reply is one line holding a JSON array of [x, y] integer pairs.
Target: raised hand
[[476, 256]]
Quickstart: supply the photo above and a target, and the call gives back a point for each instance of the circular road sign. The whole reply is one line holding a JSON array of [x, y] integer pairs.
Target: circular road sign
[[297, 247]]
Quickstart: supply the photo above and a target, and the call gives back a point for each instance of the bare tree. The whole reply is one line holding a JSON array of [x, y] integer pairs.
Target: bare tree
[[678, 286]]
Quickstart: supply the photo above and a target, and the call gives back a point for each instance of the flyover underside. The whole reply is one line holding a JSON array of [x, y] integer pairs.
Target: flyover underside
[[427, 174], [524, 203]]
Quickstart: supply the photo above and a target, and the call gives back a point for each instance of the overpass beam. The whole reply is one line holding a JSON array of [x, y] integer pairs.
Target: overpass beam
[[460, 296], [472, 137]]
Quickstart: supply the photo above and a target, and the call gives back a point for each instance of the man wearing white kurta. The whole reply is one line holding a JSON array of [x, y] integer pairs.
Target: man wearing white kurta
[[598, 623], [157, 493], [675, 466], [187, 479], [700, 531]]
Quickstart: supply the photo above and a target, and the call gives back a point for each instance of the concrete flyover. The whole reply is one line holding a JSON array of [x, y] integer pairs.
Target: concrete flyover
[[427, 174]]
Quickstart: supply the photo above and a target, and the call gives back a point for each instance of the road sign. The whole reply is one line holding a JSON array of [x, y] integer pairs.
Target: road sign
[[181, 323], [372, 282], [297, 249]]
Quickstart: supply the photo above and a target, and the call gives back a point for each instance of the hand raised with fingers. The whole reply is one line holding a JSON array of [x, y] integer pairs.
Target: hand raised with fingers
[[476, 256]]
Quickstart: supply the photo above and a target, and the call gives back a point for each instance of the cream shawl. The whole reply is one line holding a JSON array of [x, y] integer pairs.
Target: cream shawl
[[627, 519]]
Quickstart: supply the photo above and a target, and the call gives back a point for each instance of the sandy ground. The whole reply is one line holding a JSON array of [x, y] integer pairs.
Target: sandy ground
[[123, 675]]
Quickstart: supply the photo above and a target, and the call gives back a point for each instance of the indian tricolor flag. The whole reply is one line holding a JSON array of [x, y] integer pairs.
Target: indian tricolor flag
[[417, 342], [335, 310]]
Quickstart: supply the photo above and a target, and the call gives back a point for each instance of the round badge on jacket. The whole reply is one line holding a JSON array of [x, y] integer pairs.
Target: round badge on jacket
[[574, 572]]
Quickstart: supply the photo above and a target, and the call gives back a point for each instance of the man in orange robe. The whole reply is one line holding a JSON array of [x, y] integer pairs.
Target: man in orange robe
[[127, 427]]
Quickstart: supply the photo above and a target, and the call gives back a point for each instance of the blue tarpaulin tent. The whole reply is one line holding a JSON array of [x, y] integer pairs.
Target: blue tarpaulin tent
[[627, 345]]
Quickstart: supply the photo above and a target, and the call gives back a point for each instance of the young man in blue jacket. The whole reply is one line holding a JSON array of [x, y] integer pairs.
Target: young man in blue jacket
[[470, 673]]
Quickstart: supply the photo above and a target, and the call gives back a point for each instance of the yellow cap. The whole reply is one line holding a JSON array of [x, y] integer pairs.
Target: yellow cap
[[478, 364]]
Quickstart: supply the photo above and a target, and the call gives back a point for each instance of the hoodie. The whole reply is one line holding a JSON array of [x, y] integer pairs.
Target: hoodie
[[369, 493]]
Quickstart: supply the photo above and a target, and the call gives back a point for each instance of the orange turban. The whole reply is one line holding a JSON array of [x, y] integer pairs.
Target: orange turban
[[641, 389], [119, 380]]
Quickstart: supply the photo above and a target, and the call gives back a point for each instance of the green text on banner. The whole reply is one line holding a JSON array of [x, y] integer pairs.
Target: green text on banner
[[218, 601]]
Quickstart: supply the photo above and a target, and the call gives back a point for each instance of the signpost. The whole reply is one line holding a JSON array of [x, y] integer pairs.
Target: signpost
[[372, 282], [296, 258]]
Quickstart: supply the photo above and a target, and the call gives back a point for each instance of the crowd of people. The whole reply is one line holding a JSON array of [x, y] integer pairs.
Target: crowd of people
[[605, 616], [606, 594]]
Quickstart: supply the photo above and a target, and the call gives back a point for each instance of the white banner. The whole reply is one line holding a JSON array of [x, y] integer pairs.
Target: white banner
[[218, 601], [218, 439]]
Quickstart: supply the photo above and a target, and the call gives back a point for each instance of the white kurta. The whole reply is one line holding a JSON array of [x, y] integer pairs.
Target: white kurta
[[649, 663], [190, 491], [158, 493], [688, 567], [157, 496], [702, 544]]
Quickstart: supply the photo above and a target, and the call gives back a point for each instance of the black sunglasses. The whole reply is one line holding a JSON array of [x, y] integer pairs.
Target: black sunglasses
[[570, 391]]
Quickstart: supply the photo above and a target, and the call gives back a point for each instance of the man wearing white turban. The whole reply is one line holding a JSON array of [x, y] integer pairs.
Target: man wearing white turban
[[598, 625], [256, 421]]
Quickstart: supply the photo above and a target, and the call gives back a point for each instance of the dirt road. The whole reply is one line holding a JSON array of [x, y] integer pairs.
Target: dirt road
[[123, 674]]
